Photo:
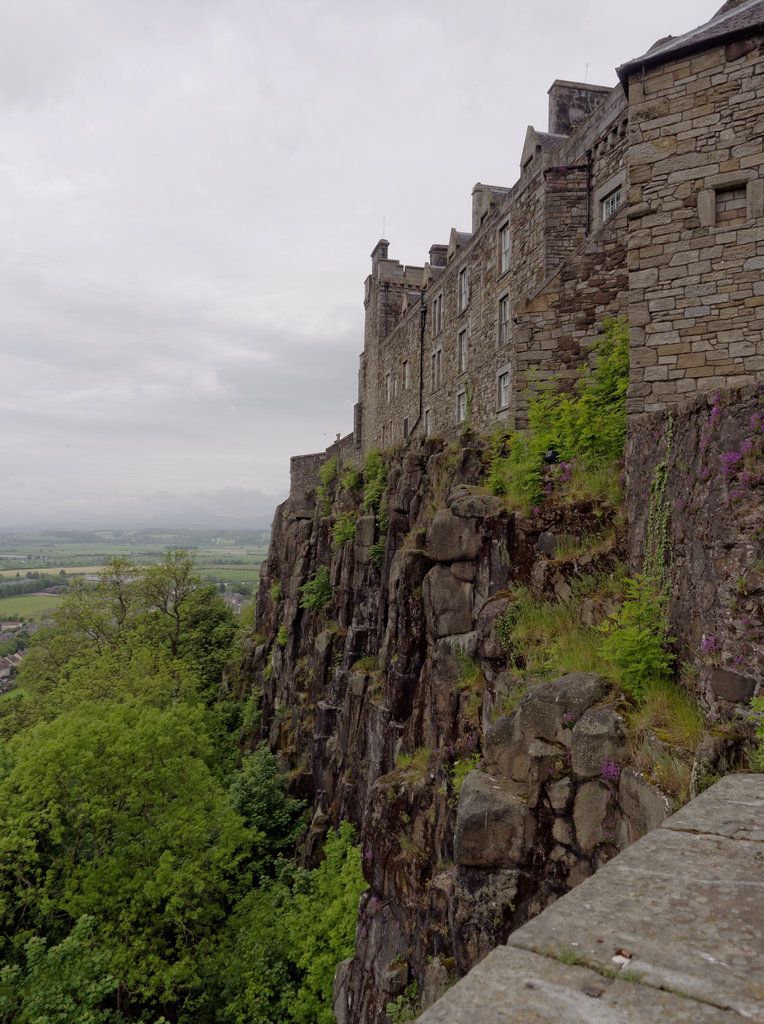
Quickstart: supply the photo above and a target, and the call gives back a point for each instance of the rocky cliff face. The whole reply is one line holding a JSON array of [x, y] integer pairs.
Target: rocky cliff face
[[398, 705], [709, 455]]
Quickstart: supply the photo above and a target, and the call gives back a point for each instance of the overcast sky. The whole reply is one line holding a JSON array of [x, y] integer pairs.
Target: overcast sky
[[189, 193]]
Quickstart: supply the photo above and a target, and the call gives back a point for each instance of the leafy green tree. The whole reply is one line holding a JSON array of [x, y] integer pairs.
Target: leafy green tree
[[289, 937], [158, 634], [111, 810], [258, 794], [327, 936], [60, 984]]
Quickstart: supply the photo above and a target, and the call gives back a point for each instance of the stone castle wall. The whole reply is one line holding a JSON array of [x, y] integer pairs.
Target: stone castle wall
[[563, 279], [696, 237], [549, 260]]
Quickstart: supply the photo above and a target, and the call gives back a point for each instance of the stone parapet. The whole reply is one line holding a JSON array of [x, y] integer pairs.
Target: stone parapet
[[669, 930]]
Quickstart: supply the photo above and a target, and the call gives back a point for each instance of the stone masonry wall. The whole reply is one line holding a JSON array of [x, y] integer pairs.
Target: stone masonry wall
[[561, 284], [696, 238]]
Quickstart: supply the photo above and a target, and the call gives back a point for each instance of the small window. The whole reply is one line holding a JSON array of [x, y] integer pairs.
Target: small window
[[462, 290], [461, 352], [405, 428], [611, 202], [395, 387], [405, 374], [504, 320], [502, 390], [437, 314], [461, 407], [437, 365], [505, 248], [387, 387], [427, 423]]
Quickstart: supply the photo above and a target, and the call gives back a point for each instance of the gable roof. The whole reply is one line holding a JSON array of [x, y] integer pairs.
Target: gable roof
[[732, 20]]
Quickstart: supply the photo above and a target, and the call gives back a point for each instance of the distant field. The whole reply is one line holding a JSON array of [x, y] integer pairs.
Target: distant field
[[245, 574], [53, 570], [231, 559], [29, 606]]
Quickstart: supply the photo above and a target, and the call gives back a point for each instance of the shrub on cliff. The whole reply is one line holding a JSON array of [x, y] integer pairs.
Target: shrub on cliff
[[375, 481], [585, 426], [317, 591]]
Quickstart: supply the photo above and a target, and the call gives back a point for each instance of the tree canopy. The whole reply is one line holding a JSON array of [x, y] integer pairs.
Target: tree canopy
[[146, 864]]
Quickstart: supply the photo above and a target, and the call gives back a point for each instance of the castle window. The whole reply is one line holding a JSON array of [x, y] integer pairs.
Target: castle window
[[611, 202], [607, 198], [387, 387], [504, 320], [730, 199], [405, 428], [427, 422], [437, 314], [461, 407], [462, 290], [395, 387], [461, 352], [405, 374], [437, 366], [505, 248], [502, 390]]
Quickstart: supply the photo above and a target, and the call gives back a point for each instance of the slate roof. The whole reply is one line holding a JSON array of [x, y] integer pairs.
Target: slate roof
[[731, 21]]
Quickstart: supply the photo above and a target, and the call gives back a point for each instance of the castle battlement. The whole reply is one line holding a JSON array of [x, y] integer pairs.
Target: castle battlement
[[643, 201]]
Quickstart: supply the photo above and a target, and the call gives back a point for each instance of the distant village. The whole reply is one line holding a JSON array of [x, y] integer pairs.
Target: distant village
[[10, 662]]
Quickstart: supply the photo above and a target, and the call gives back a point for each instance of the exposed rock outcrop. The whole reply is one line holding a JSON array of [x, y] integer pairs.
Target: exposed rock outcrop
[[380, 701]]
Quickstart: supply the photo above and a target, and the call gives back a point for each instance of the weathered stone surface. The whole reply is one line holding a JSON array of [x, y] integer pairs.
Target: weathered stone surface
[[447, 603], [598, 736], [733, 807], [563, 832], [559, 794], [464, 571], [590, 811], [550, 710], [547, 543], [364, 535], [714, 756], [716, 608], [684, 902], [490, 647], [494, 827], [731, 686], [543, 758], [484, 911], [339, 1003], [515, 986], [452, 538], [643, 807], [436, 981], [680, 910], [546, 712], [473, 503]]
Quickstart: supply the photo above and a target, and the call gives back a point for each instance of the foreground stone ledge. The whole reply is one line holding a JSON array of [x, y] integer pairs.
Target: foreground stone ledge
[[672, 929]]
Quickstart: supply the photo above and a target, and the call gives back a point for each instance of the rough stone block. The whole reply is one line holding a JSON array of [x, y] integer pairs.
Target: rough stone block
[[643, 807], [598, 736], [494, 827], [447, 603], [731, 686], [452, 538], [593, 803]]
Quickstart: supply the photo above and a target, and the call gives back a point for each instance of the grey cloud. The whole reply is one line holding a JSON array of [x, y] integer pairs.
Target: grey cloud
[[189, 191]]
